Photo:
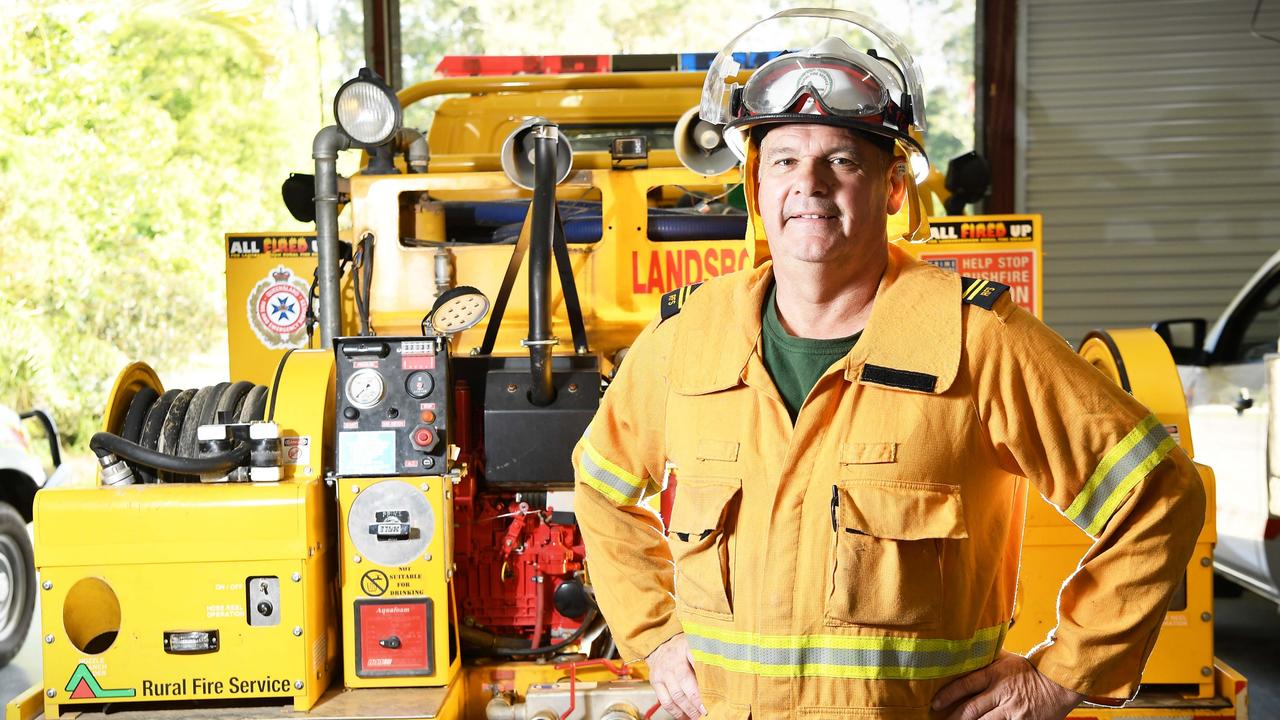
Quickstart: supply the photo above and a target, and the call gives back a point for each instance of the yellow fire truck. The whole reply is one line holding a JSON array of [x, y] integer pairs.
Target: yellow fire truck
[[375, 519]]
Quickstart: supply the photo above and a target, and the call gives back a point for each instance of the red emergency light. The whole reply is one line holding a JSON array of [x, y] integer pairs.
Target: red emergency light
[[475, 65]]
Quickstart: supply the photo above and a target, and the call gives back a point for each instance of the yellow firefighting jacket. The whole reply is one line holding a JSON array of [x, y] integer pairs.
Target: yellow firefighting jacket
[[853, 564]]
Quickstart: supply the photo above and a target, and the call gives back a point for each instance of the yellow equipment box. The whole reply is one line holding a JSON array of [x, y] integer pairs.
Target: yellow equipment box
[[396, 593], [186, 592]]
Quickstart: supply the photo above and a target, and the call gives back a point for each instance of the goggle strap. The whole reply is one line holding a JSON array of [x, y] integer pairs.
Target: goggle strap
[[736, 108]]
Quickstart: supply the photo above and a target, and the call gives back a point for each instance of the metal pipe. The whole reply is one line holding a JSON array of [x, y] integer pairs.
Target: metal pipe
[[540, 83], [414, 146], [503, 707], [541, 233], [444, 266], [324, 150]]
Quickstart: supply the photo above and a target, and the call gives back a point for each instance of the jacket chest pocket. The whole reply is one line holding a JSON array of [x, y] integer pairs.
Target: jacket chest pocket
[[886, 558], [702, 539]]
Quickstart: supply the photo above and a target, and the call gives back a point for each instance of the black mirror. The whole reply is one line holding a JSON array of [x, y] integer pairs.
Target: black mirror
[[968, 179], [1185, 338], [299, 193]]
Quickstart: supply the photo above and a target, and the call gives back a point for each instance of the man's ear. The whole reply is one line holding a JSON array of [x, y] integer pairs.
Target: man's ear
[[897, 184]]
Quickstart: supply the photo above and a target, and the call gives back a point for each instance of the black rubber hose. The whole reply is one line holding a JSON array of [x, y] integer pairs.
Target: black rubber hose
[[483, 640], [151, 432], [137, 413], [104, 442], [209, 414], [255, 404], [171, 429], [187, 442], [549, 649], [232, 400], [191, 422]]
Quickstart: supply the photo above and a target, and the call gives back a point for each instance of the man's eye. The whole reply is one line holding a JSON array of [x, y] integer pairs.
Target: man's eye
[[784, 161], [842, 161]]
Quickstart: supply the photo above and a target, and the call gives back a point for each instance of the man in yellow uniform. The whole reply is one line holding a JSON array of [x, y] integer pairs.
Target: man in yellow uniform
[[850, 434]]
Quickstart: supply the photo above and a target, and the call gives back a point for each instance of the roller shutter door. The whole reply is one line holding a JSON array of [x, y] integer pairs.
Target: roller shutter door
[[1149, 137]]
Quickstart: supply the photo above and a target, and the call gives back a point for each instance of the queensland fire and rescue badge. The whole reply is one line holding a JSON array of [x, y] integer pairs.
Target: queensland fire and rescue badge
[[278, 309]]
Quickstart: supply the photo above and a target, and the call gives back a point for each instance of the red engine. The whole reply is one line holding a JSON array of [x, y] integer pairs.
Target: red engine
[[519, 563]]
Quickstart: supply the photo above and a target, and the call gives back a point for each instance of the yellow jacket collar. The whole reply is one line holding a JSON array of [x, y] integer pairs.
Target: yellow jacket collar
[[912, 340], [914, 333]]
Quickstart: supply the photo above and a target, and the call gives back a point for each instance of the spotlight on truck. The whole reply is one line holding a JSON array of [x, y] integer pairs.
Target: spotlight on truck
[[367, 110]]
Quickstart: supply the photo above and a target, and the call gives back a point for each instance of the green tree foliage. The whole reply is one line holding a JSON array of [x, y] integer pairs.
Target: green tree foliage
[[131, 138]]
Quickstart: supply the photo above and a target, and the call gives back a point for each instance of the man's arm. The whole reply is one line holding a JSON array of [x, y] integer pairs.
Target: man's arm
[[619, 462], [1111, 468]]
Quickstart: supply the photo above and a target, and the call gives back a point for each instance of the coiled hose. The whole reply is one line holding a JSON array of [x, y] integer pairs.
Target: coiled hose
[[158, 437]]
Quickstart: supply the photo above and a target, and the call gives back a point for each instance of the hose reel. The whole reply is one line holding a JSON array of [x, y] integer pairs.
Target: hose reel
[[160, 438]]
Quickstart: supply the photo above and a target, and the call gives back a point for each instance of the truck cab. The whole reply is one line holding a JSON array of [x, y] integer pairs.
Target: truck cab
[[1231, 377]]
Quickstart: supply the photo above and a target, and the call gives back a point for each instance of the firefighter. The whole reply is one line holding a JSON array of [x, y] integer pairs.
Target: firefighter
[[850, 435]]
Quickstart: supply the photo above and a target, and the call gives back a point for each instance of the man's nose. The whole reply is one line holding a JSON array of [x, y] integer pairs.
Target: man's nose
[[812, 179]]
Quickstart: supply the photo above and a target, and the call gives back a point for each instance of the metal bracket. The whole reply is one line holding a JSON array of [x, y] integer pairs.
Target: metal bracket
[[526, 342]]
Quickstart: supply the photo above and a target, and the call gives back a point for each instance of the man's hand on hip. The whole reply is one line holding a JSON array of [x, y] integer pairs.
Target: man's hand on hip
[[1010, 688], [671, 674]]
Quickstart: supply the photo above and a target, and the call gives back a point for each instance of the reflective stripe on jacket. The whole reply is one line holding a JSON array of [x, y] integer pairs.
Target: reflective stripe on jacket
[[869, 554]]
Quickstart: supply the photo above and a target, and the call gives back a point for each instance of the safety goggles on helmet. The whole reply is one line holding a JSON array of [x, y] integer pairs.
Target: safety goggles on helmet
[[834, 85]]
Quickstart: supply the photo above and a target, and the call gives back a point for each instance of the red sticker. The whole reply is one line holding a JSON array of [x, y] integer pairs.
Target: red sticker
[[418, 362]]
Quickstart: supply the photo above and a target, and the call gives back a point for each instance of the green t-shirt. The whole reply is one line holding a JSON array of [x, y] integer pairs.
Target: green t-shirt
[[794, 363]]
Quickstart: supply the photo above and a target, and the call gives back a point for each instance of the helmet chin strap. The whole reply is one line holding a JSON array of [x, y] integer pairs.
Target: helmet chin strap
[[757, 241], [917, 217]]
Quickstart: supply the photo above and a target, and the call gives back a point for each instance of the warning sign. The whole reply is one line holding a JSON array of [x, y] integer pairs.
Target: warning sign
[[297, 450], [1015, 268], [374, 583]]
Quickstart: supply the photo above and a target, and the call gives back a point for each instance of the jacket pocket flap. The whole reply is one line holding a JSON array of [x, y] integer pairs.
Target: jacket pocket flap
[[901, 510], [725, 450], [700, 504], [872, 452]]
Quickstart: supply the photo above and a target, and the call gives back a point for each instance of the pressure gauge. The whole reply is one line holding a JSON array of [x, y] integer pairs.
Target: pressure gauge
[[365, 388]]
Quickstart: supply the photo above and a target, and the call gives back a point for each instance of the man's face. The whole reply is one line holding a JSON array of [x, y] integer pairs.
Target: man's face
[[824, 193]]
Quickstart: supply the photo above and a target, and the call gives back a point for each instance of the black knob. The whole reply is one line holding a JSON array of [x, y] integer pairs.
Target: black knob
[[391, 643], [571, 599], [350, 413], [265, 608]]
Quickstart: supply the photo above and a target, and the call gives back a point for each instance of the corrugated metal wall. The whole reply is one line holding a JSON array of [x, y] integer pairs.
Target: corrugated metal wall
[[1149, 137]]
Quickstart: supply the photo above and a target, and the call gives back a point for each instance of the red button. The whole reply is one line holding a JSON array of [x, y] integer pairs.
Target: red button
[[422, 437]]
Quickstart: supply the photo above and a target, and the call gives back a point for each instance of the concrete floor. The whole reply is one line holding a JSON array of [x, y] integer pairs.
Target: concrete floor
[[1247, 636]]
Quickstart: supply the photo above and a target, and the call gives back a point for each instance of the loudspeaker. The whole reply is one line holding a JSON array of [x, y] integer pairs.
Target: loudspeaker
[[517, 152], [700, 145]]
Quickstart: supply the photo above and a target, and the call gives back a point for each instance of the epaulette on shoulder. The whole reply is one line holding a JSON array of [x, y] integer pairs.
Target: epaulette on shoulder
[[983, 293], [674, 300]]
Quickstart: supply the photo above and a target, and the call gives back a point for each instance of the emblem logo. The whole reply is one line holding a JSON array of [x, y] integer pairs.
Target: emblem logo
[[84, 685], [277, 309], [819, 80]]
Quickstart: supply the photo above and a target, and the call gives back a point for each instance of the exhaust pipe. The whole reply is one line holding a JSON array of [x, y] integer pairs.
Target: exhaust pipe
[[541, 233]]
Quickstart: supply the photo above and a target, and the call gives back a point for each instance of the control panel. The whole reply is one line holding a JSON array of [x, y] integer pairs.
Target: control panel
[[393, 406]]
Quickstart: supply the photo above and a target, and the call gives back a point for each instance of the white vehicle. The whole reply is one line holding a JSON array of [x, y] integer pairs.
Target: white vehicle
[[1232, 382], [21, 474]]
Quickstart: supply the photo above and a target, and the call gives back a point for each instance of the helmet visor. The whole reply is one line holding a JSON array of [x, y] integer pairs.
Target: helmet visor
[[839, 86], [726, 75]]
